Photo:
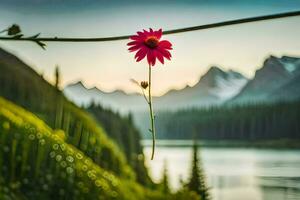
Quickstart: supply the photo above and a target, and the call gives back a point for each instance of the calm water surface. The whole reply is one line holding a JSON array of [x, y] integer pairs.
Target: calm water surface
[[233, 173]]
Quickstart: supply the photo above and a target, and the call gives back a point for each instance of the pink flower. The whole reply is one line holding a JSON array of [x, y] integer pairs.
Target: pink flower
[[148, 43]]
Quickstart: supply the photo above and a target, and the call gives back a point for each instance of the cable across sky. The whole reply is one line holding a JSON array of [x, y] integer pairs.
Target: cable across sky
[[174, 31]]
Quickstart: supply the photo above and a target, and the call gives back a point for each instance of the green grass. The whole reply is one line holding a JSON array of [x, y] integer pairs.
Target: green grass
[[25, 87], [37, 163]]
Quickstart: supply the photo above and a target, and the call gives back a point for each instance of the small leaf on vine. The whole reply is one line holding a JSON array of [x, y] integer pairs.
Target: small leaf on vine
[[41, 44], [35, 36], [14, 30]]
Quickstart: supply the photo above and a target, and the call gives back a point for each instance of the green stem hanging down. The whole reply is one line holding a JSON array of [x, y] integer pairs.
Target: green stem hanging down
[[152, 130]]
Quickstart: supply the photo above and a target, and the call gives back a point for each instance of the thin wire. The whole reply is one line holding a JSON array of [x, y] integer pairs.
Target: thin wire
[[174, 31]]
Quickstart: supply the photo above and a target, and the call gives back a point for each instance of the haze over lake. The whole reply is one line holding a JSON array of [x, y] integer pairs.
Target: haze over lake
[[233, 173]]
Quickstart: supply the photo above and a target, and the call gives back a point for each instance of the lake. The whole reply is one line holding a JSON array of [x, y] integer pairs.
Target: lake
[[232, 173]]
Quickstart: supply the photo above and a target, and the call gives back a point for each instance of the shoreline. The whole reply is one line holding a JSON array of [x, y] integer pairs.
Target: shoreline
[[263, 144]]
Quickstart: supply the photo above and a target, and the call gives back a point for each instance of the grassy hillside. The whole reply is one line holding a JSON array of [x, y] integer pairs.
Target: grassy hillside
[[23, 86], [37, 163]]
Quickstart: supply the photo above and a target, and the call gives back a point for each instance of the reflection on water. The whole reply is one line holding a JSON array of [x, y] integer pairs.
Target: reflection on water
[[235, 173]]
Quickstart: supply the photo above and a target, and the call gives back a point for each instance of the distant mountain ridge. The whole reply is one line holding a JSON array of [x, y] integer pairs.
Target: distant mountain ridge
[[277, 76], [213, 88], [116, 100], [278, 79]]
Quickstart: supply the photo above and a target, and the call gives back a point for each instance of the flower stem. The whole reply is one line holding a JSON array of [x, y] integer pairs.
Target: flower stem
[[151, 115]]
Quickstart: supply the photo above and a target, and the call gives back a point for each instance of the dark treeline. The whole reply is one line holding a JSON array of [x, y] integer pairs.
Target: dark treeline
[[244, 122], [122, 130]]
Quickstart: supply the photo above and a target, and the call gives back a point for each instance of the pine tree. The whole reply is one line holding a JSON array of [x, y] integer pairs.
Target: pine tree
[[57, 77], [165, 180], [197, 179], [59, 101]]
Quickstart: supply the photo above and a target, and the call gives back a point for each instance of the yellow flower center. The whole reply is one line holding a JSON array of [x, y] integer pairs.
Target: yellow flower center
[[152, 42]]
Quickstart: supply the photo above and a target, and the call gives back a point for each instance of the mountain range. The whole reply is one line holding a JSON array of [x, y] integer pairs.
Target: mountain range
[[277, 79], [213, 88]]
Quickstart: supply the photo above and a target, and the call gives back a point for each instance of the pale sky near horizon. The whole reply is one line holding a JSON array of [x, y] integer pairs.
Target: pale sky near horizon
[[109, 66]]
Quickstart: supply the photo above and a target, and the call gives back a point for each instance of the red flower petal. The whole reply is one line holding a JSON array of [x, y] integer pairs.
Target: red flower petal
[[132, 43], [151, 58], [146, 32], [158, 34], [159, 57], [134, 48], [136, 37], [141, 35], [165, 44], [164, 52], [141, 54], [159, 50]]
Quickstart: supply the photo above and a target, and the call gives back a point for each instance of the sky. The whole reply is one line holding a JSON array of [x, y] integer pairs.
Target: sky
[[109, 65]]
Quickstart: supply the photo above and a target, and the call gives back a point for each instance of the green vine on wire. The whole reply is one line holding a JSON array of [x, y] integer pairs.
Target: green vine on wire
[[15, 32], [38, 39]]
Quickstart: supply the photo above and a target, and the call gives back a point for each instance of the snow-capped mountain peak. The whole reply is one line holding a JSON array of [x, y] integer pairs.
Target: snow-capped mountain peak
[[290, 64], [226, 84], [266, 86], [229, 86]]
